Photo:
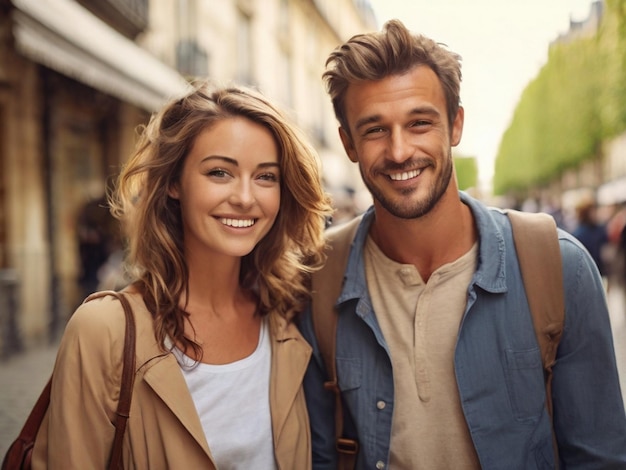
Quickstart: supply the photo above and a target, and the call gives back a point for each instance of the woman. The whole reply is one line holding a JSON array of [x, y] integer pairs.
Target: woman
[[224, 214]]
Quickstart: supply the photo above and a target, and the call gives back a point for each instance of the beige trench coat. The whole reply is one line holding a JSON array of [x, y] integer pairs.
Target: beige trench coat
[[164, 430]]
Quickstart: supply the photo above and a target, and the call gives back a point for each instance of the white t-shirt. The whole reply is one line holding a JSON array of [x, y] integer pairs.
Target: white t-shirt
[[232, 401]]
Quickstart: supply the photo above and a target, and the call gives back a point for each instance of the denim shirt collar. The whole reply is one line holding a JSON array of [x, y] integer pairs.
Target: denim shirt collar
[[490, 272]]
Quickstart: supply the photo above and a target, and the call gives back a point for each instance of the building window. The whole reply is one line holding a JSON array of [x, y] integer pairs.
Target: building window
[[191, 59], [129, 17], [244, 48]]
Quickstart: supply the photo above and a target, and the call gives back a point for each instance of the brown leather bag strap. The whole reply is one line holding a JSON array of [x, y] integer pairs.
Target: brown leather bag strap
[[539, 256], [326, 287], [128, 377]]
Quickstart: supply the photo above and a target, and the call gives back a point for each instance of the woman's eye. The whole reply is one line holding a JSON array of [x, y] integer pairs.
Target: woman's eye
[[268, 177], [218, 173]]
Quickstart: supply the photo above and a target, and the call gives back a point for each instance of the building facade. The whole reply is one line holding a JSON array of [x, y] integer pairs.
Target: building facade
[[78, 77]]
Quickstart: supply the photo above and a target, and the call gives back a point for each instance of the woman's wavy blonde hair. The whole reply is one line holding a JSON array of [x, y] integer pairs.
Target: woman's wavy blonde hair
[[278, 267]]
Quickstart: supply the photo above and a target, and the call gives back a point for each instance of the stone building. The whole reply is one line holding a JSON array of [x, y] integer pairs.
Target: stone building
[[76, 79]]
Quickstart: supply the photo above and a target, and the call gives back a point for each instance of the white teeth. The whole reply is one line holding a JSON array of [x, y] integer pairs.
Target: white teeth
[[238, 222], [405, 175]]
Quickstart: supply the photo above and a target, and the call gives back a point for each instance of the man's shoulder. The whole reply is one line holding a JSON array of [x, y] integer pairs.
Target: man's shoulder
[[343, 230]]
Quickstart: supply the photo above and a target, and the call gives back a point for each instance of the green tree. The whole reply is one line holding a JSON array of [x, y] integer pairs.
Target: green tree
[[577, 101], [466, 172]]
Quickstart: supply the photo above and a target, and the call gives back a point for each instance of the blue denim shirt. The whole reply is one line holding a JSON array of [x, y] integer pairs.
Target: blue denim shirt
[[497, 363]]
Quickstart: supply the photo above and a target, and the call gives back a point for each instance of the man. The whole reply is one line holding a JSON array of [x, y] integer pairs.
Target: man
[[590, 232], [437, 359]]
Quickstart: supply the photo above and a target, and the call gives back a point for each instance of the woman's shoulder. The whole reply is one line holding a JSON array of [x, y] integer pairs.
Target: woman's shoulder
[[103, 309], [104, 312], [96, 326], [96, 330]]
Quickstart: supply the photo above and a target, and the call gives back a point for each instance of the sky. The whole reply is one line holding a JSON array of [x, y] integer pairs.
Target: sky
[[503, 43]]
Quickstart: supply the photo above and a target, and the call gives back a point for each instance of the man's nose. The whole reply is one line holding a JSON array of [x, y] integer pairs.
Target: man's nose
[[400, 146]]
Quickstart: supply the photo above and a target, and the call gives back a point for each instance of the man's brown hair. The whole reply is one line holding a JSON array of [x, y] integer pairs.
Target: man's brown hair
[[392, 51]]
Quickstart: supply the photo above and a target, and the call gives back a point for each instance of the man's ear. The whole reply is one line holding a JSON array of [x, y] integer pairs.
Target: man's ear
[[348, 145], [457, 127]]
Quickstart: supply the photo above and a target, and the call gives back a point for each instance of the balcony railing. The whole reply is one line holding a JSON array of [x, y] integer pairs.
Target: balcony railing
[[129, 17]]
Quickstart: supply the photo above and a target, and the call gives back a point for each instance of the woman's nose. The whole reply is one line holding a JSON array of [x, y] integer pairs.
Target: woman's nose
[[243, 194]]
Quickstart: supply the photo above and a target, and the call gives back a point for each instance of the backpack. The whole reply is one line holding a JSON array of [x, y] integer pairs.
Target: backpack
[[539, 255]]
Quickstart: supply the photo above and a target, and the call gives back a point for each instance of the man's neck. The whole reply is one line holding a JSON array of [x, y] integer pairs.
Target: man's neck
[[428, 242]]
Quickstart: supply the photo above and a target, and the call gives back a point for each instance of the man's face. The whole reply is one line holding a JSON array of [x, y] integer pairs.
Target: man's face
[[400, 137]]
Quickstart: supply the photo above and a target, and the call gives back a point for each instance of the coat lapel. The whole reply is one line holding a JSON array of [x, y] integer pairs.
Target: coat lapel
[[167, 381], [290, 357], [162, 373]]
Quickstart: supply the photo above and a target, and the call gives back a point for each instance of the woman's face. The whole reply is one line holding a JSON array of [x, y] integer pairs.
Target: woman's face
[[229, 189]]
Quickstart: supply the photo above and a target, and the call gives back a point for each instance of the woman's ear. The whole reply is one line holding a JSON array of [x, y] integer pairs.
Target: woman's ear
[[173, 191]]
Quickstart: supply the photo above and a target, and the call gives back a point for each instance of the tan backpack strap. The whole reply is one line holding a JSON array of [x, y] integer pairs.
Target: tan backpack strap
[[326, 287], [539, 256], [128, 377]]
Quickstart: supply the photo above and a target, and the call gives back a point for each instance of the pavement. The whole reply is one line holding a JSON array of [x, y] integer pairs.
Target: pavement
[[23, 376]]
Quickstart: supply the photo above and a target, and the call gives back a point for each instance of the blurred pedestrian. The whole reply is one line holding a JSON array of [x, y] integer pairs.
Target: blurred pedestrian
[[436, 355], [224, 211], [622, 251], [96, 231], [592, 234], [616, 227]]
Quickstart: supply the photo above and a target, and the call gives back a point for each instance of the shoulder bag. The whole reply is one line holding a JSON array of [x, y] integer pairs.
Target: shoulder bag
[[19, 455]]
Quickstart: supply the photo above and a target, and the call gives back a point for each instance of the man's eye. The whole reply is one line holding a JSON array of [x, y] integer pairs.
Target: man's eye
[[421, 123], [374, 130]]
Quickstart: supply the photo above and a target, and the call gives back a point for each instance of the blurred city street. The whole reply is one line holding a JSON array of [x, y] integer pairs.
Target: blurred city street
[[24, 376], [82, 80]]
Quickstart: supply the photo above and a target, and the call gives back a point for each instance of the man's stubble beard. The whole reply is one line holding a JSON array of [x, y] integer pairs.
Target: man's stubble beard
[[413, 209]]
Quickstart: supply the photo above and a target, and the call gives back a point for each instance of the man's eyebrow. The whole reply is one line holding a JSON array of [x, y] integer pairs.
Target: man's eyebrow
[[428, 110], [367, 120], [419, 111]]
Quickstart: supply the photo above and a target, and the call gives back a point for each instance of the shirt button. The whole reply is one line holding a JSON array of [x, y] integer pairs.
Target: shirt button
[[380, 405], [380, 465]]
